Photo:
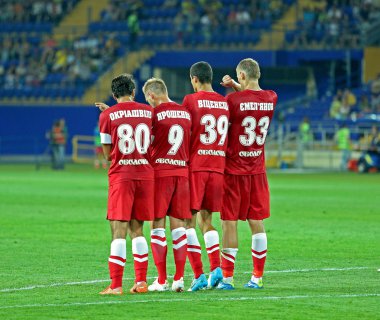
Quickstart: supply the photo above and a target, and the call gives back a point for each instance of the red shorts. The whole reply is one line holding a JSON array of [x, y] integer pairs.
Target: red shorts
[[206, 190], [131, 199], [245, 197], [172, 197]]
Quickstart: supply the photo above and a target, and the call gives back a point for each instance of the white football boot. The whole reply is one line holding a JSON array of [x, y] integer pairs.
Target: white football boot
[[178, 285], [155, 286]]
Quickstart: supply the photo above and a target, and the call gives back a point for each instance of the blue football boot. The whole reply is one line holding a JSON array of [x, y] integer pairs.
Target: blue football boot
[[255, 285], [226, 286], [199, 283], [214, 278]]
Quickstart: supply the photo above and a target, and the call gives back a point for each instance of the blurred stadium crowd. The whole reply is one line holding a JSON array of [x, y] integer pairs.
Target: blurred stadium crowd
[[334, 24], [34, 11], [35, 62]]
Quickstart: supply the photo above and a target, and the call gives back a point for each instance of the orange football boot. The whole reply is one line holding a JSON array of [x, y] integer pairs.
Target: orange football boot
[[140, 287], [108, 290]]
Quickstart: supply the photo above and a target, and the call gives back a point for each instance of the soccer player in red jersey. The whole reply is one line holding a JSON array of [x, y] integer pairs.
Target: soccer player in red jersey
[[169, 158], [125, 131], [246, 191], [209, 111]]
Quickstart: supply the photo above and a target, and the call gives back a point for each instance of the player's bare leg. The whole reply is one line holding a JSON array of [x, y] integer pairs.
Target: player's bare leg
[[259, 253], [211, 238], [116, 261], [179, 238], [229, 252], [140, 256], [159, 250], [194, 254]]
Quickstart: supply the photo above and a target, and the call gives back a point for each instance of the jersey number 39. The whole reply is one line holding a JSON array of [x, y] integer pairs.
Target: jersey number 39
[[213, 127]]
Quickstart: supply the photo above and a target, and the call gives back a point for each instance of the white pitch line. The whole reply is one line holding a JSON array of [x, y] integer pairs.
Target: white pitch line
[[199, 298], [41, 286]]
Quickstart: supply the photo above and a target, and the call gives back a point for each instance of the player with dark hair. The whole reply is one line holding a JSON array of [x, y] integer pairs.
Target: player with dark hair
[[125, 131], [169, 158], [246, 191], [209, 111]]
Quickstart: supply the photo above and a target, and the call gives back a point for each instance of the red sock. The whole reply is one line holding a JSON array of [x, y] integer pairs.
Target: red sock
[[212, 246], [228, 261], [159, 250], [194, 252], [259, 253], [140, 257], [116, 262], [180, 251]]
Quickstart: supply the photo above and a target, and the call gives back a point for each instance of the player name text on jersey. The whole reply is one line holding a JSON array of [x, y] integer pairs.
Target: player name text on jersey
[[133, 162], [248, 154], [212, 104], [173, 162], [203, 152], [173, 114], [262, 106], [130, 114]]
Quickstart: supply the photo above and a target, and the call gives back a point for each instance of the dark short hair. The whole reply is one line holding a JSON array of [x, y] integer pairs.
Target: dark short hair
[[123, 85], [202, 70]]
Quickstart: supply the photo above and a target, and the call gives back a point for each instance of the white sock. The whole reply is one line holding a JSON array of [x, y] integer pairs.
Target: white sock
[[140, 247], [118, 249], [211, 241], [259, 242], [159, 232], [192, 240], [177, 234]]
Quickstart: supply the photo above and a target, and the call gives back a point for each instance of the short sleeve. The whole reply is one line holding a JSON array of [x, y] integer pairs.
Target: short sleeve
[[105, 129], [186, 102], [230, 108]]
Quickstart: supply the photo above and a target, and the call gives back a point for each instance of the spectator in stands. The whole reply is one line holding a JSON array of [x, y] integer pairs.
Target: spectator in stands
[[335, 108], [333, 32], [343, 140], [134, 30], [345, 108], [243, 18], [311, 86], [231, 19], [206, 27], [364, 105], [170, 4], [334, 13], [305, 134], [375, 94], [374, 139], [350, 98]]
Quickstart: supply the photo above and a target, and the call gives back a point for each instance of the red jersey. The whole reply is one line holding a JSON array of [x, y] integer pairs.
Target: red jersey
[[209, 112], [250, 115], [127, 126], [170, 146]]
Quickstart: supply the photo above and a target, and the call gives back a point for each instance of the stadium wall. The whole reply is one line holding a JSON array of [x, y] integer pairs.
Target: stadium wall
[[23, 129], [266, 58]]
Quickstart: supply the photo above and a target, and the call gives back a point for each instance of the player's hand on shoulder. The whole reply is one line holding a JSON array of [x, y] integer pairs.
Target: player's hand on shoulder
[[228, 82], [102, 106]]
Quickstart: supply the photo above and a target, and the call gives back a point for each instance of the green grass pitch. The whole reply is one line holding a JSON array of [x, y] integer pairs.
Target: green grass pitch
[[323, 252]]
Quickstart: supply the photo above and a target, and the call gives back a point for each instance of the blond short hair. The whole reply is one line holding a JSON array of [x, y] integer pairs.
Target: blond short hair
[[250, 67], [156, 85]]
